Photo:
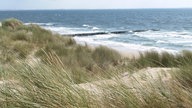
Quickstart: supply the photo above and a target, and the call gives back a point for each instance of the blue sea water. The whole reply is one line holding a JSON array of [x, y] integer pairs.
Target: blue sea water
[[148, 29]]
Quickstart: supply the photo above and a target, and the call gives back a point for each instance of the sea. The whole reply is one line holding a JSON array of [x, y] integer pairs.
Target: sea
[[141, 29]]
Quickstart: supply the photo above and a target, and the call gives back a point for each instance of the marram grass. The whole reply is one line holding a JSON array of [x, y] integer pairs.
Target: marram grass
[[39, 69]]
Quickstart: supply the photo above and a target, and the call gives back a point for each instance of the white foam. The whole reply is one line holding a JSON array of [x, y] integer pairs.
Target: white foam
[[188, 45], [95, 28], [96, 38], [41, 24], [106, 36], [91, 27], [85, 25], [183, 38], [101, 40], [67, 30], [165, 34], [175, 41], [167, 37], [119, 45], [161, 41], [61, 30], [27, 23]]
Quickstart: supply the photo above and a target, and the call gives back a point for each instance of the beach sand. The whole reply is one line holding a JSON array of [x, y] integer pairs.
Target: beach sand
[[124, 52]]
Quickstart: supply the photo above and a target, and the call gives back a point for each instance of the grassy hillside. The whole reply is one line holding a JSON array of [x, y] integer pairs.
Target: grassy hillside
[[20, 42], [41, 69]]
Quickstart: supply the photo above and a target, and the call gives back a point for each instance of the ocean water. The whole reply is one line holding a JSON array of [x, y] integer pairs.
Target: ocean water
[[147, 29]]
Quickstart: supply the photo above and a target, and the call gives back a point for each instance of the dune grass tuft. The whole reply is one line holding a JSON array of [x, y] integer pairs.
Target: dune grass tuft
[[11, 24], [163, 59], [39, 69], [104, 56]]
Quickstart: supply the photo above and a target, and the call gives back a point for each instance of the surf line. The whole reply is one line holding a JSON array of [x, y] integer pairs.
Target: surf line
[[103, 33], [95, 33]]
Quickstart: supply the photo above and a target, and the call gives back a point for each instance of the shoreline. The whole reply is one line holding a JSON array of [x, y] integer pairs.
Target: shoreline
[[127, 52], [130, 51], [120, 46]]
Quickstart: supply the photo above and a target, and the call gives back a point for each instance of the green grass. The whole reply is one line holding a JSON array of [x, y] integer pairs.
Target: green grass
[[51, 86], [40, 69], [105, 56], [11, 24], [21, 42], [184, 76], [163, 59]]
